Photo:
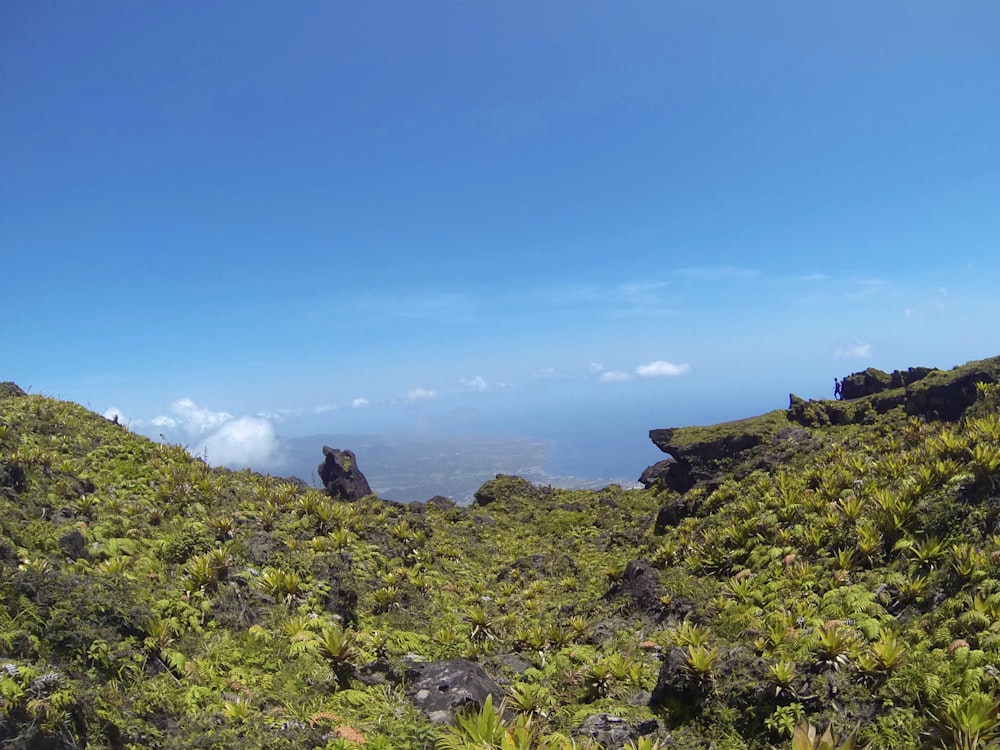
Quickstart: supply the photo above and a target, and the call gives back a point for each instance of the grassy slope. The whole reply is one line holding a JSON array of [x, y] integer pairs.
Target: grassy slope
[[149, 601]]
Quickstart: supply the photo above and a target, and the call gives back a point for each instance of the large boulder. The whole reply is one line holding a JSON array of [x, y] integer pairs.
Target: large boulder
[[341, 476], [442, 689]]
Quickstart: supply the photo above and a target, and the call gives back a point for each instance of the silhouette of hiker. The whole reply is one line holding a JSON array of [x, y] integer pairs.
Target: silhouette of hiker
[[838, 389]]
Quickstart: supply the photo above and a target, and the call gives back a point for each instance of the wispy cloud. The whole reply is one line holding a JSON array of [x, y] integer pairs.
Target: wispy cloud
[[614, 376], [478, 383], [858, 350], [433, 305], [715, 273], [420, 394], [324, 408], [279, 415], [359, 403], [660, 369]]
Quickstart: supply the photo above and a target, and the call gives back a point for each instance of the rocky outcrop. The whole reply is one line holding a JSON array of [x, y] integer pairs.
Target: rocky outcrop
[[919, 391], [871, 381], [704, 456], [341, 476], [614, 732], [442, 689]]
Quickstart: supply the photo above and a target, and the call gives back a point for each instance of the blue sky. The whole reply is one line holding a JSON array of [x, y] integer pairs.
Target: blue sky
[[545, 219]]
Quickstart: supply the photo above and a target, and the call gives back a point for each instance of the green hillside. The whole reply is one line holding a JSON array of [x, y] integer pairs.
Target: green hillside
[[838, 562]]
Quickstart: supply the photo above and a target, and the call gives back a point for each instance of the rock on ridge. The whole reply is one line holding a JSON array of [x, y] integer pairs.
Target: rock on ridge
[[341, 476]]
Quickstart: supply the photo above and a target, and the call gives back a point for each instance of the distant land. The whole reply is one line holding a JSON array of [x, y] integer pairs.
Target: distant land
[[410, 468]]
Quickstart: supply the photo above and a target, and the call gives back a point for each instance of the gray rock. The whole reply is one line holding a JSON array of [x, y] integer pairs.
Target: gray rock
[[614, 732], [442, 689]]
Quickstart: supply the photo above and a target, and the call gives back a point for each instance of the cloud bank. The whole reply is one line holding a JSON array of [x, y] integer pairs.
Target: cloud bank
[[224, 440]]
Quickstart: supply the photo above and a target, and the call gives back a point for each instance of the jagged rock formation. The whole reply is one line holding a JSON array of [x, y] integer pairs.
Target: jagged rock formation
[[920, 391], [702, 455], [871, 381], [341, 476]]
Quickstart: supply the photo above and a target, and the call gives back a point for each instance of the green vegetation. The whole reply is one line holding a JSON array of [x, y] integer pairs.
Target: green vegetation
[[148, 601]]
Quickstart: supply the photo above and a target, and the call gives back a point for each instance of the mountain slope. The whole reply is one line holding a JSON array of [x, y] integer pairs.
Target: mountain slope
[[829, 568]]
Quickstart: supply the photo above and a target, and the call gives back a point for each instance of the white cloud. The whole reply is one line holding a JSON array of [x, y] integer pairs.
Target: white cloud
[[477, 383], [857, 351], [324, 408], [420, 394], [359, 403], [194, 419], [596, 367], [614, 376], [660, 369], [224, 440], [247, 441]]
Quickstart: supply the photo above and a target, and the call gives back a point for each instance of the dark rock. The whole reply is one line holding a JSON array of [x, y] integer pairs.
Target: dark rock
[[671, 514], [73, 544], [656, 475], [12, 477], [947, 398], [513, 664], [872, 381], [640, 584], [342, 594], [920, 391], [866, 383], [262, 546], [380, 672], [742, 682], [714, 452], [444, 688], [614, 732], [10, 390], [677, 687], [341, 476]]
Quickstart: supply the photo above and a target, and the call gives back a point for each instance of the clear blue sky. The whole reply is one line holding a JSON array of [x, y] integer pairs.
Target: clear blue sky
[[534, 218]]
